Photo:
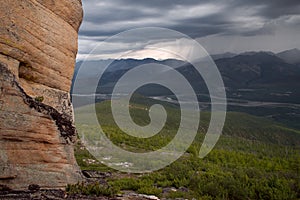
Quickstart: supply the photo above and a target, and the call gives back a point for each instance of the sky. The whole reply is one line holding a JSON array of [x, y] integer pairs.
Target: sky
[[219, 26]]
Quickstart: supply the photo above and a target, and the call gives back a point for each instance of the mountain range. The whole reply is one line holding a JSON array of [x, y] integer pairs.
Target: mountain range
[[277, 75], [259, 83]]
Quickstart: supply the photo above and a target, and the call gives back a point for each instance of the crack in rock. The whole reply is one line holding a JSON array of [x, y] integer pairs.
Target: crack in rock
[[64, 125]]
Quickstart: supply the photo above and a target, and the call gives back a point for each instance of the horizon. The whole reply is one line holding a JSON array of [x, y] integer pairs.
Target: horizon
[[170, 58]]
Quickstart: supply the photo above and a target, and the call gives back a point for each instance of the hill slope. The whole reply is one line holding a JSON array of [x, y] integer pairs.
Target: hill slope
[[254, 159]]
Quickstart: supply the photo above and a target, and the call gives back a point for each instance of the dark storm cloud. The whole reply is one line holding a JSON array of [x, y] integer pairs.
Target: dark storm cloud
[[271, 8], [206, 25], [196, 18], [110, 17]]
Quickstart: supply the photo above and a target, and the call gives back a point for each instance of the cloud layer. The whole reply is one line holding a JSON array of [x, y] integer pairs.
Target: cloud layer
[[232, 21]]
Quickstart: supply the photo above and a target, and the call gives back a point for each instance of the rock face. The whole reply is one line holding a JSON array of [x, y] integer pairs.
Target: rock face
[[38, 46]]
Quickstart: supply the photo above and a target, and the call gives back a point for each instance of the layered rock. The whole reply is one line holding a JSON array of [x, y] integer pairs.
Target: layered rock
[[38, 46]]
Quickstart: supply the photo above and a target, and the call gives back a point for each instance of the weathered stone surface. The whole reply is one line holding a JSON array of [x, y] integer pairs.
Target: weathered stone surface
[[38, 46]]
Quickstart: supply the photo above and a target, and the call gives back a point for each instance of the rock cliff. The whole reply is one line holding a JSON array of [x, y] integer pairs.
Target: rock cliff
[[38, 46]]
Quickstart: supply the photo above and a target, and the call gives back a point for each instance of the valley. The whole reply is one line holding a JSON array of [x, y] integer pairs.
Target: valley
[[256, 157]]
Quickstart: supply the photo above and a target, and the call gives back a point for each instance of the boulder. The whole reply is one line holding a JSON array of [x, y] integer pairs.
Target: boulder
[[38, 47]]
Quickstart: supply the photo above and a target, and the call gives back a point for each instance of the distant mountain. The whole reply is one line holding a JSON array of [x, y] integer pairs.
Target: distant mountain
[[250, 70], [257, 70], [251, 53], [223, 55], [290, 56], [115, 69], [258, 83]]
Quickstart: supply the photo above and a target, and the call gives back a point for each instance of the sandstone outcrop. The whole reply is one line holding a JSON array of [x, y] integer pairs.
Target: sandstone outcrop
[[38, 47]]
